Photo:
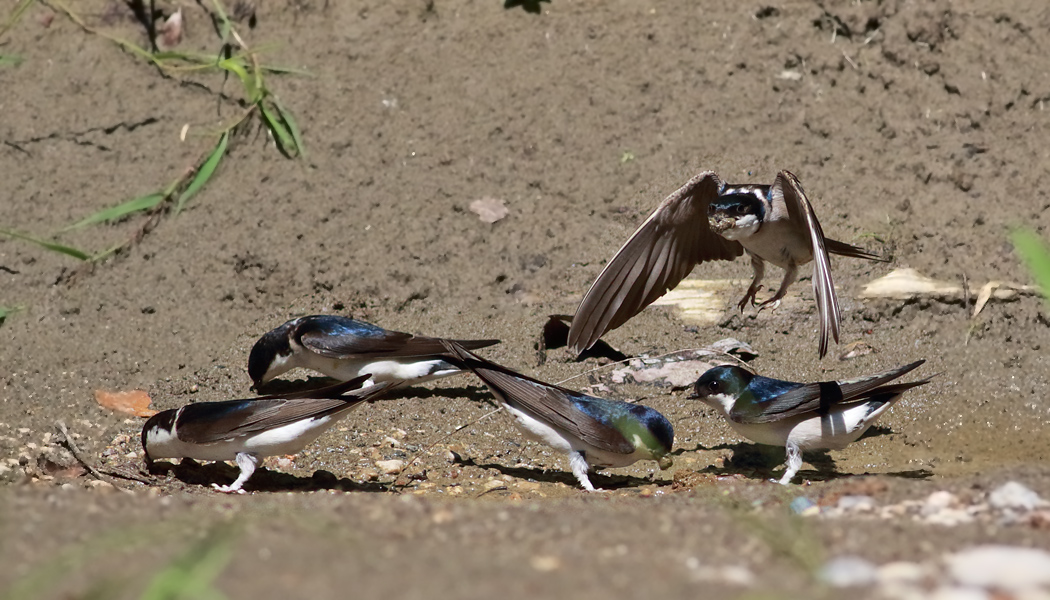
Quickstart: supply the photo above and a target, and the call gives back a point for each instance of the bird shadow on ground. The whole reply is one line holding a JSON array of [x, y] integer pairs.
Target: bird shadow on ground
[[192, 473], [756, 461], [599, 480]]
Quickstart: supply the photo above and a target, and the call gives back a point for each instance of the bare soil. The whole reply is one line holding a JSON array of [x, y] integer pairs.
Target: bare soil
[[918, 129]]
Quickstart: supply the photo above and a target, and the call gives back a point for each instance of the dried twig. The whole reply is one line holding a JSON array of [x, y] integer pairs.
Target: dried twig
[[68, 442]]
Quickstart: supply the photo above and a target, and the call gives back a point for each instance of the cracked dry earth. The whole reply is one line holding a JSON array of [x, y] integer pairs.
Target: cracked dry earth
[[917, 127]]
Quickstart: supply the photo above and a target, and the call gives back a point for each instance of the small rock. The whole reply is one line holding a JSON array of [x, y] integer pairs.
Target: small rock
[[545, 564], [493, 484], [368, 474], [1014, 495], [1000, 567], [857, 504], [847, 571], [938, 501], [284, 463], [901, 572], [737, 575], [98, 484], [454, 490], [949, 517], [804, 506], [528, 485], [390, 467]]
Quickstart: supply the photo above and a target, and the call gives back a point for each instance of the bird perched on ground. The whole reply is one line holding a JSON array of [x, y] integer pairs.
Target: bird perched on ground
[[344, 348], [708, 219], [592, 431], [247, 430], [801, 416]]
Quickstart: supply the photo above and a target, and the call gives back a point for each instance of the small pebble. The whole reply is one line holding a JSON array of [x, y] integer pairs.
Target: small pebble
[[901, 572], [1000, 567], [857, 503], [804, 506], [390, 467], [847, 571]]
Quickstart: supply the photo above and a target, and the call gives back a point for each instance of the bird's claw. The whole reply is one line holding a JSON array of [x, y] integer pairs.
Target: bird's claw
[[749, 297]]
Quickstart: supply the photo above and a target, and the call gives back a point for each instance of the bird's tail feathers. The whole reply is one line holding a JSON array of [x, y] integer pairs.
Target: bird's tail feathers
[[844, 249]]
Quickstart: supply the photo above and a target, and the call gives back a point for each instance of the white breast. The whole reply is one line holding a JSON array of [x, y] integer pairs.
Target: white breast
[[833, 431], [288, 439]]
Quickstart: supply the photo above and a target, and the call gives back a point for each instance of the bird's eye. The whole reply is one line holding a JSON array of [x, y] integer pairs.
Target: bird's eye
[[741, 210], [713, 386]]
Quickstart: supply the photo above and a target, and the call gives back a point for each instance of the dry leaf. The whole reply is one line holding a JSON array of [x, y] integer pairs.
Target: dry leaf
[[489, 209], [134, 402], [170, 31]]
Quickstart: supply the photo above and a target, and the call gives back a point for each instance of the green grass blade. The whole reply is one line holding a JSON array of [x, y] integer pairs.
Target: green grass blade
[[10, 60], [7, 311], [204, 173], [285, 142], [285, 70], [122, 210], [293, 127], [192, 575], [54, 247], [1036, 257]]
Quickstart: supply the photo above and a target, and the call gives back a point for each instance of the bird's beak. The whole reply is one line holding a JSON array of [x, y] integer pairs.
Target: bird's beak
[[666, 462], [693, 396]]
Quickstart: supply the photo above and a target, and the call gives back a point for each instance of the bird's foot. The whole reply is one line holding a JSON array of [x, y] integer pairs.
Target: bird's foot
[[749, 297], [228, 489]]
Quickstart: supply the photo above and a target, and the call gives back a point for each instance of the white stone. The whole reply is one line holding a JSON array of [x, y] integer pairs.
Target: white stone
[[847, 571], [390, 467], [1001, 567], [857, 504], [1014, 495]]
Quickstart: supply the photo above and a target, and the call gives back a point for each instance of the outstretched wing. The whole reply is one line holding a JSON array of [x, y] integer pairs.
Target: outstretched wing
[[656, 258], [787, 191], [545, 402]]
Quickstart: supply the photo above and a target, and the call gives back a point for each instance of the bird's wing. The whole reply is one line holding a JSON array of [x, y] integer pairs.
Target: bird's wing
[[656, 258], [546, 402], [820, 397], [378, 343], [209, 422], [787, 192]]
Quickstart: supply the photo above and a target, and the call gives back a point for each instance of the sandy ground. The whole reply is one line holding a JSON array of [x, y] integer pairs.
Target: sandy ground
[[918, 129]]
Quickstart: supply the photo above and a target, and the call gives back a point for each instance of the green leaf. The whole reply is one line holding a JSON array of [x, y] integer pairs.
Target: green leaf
[[285, 142], [7, 311], [54, 247], [204, 173], [10, 60], [293, 127], [122, 210], [1036, 256]]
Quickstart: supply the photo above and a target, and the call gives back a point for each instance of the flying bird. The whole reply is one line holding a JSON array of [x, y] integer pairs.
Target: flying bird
[[592, 431], [345, 348], [246, 431], [708, 219], [801, 416]]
